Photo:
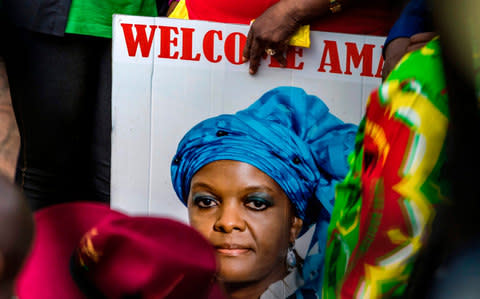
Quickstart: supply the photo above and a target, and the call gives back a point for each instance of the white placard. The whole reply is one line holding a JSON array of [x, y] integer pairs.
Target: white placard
[[169, 74]]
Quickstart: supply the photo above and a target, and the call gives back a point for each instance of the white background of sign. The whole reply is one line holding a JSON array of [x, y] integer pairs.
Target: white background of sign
[[155, 101]]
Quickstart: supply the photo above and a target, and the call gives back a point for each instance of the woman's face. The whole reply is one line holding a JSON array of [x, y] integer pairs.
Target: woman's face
[[246, 216]]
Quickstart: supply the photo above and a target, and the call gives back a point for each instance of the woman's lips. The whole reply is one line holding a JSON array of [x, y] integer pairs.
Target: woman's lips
[[232, 249]]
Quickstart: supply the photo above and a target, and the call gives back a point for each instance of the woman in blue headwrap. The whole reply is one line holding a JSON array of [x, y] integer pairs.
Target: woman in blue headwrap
[[255, 180]]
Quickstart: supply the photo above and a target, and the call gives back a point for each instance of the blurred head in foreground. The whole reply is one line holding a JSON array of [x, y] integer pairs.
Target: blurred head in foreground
[[87, 250], [16, 234]]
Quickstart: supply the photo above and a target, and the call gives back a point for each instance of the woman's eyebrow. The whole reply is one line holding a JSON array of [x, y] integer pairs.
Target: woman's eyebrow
[[259, 188], [202, 185]]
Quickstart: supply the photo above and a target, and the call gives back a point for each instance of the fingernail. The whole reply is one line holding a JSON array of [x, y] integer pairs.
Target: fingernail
[[244, 59], [252, 72]]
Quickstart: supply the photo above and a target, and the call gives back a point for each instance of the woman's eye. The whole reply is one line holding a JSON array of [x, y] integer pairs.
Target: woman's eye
[[204, 202], [257, 204]]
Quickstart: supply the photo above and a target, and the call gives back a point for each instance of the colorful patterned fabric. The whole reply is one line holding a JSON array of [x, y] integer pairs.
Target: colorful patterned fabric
[[385, 205]]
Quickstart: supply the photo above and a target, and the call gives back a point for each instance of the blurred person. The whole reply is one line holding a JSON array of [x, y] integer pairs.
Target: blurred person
[[459, 276], [425, 247], [449, 264], [86, 250], [277, 21], [396, 185], [16, 235], [255, 180], [58, 60]]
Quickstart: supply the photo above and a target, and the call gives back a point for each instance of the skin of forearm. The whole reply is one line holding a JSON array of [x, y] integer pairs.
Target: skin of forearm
[[9, 139]]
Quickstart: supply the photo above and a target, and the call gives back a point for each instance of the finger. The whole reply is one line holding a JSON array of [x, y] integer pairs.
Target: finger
[[282, 50], [254, 64], [248, 45], [280, 58], [256, 52], [284, 45]]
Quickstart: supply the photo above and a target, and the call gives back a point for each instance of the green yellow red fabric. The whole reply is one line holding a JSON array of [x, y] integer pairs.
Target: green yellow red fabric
[[385, 205]]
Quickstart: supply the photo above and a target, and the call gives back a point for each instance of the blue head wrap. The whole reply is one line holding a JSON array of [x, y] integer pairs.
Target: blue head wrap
[[287, 134]]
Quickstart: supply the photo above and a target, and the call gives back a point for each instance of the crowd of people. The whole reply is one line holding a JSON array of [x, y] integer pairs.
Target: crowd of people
[[390, 203]]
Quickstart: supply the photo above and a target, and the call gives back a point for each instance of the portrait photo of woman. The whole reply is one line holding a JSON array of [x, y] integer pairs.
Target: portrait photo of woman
[[254, 181]]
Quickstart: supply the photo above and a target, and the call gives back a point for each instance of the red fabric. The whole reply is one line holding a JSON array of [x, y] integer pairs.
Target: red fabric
[[382, 209], [227, 11], [159, 256], [366, 17], [57, 233], [369, 19]]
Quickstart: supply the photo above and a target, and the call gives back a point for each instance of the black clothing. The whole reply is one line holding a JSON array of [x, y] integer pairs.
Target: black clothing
[[61, 95], [47, 16]]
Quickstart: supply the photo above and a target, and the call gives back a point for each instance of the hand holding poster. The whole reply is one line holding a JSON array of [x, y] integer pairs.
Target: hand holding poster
[[170, 74]]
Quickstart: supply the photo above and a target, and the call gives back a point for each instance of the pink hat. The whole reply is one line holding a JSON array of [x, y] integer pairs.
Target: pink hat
[[86, 250]]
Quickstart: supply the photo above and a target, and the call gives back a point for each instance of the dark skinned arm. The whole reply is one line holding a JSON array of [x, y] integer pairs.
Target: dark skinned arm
[[398, 47], [274, 28]]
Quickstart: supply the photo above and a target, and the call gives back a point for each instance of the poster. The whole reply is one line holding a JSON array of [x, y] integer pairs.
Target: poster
[[169, 74]]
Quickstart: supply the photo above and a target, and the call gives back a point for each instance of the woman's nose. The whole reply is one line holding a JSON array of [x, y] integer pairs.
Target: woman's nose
[[229, 219]]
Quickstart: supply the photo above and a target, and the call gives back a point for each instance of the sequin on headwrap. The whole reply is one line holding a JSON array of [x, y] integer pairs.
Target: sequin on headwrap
[[287, 134]]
